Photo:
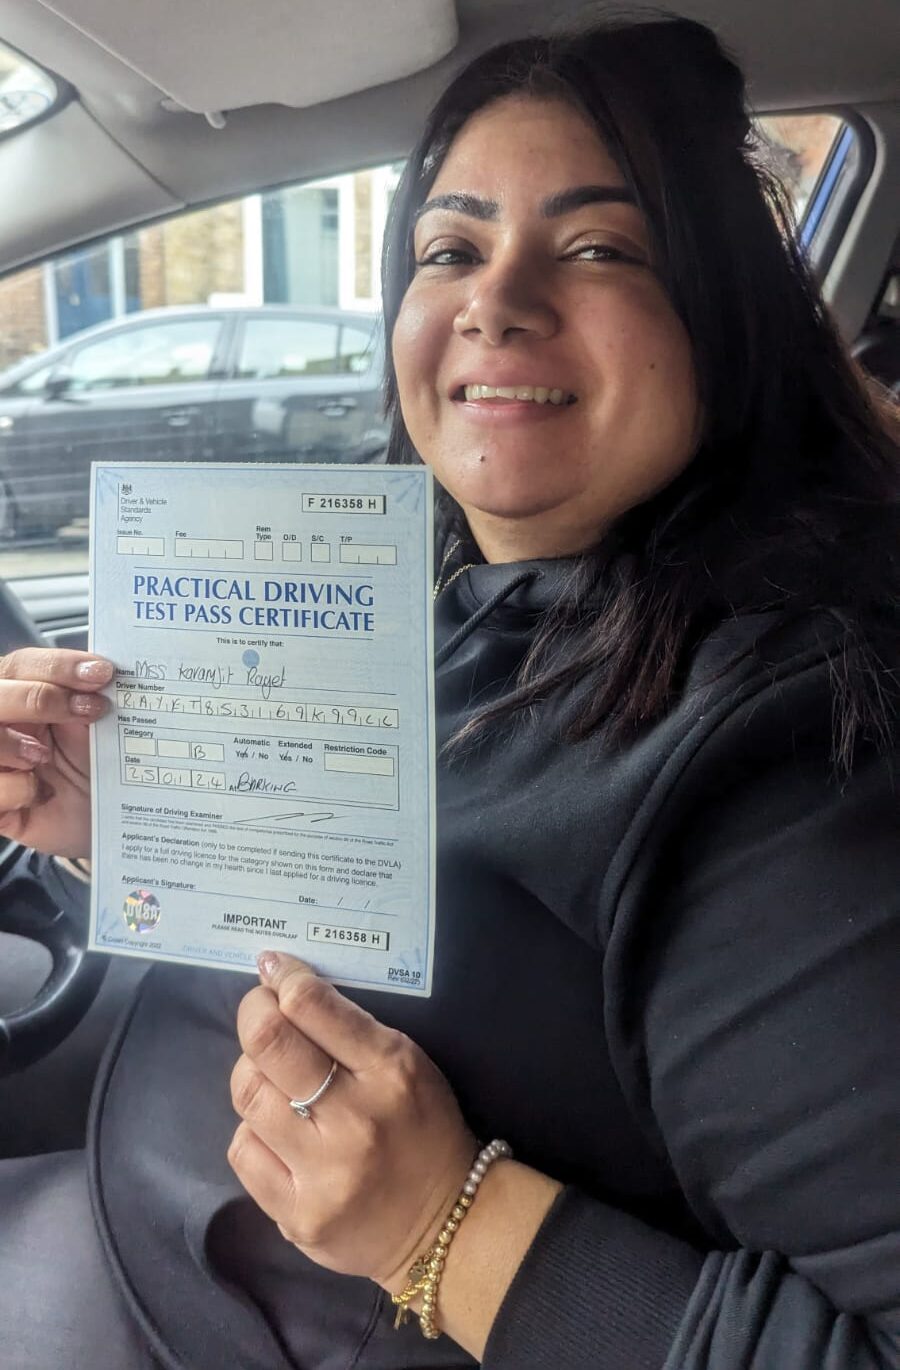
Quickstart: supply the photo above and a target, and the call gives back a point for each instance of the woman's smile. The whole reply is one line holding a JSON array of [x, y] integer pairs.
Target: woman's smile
[[505, 402], [502, 390]]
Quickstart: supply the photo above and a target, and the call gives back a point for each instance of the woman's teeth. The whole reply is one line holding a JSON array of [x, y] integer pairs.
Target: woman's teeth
[[540, 394]]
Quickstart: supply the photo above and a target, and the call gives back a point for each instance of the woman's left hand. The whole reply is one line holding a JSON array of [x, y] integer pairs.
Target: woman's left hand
[[362, 1185]]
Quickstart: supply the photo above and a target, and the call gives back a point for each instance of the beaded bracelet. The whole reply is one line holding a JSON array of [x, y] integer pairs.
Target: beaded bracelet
[[425, 1273]]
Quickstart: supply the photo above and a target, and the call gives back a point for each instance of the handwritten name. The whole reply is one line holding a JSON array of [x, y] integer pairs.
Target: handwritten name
[[215, 676], [265, 683]]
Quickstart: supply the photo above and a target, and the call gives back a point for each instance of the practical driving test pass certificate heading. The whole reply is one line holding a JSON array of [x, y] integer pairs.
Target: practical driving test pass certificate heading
[[265, 778]]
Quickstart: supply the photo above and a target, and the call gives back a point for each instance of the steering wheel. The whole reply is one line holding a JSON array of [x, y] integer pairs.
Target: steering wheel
[[40, 901]]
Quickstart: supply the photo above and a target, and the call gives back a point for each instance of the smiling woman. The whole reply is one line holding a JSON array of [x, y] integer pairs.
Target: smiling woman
[[534, 277], [667, 867]]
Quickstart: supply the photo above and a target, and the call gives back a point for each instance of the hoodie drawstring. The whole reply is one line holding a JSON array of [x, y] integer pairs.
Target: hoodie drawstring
[[466, 629]]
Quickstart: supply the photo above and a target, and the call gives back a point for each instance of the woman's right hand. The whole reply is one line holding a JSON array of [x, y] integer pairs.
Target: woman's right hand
[[48, 697]]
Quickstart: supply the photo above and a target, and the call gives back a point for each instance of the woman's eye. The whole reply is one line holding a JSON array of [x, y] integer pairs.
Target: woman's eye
[[601, 252], [446, 256]]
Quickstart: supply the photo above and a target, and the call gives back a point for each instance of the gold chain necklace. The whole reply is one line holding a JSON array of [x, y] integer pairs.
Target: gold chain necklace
[[441, 584]]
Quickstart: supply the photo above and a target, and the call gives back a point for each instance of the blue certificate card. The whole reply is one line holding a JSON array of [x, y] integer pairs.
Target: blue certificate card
[[265, 778]]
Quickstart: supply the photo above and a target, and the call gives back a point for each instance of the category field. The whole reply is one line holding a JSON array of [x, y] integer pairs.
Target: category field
[[140, 746], [291, 551], [263, 551], [319, 552], [197, 749]]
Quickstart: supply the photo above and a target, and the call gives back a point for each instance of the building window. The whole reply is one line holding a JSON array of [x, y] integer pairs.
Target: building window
[[300, 246]]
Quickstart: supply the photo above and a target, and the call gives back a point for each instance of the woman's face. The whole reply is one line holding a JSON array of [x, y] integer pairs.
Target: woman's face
[[533, 278]]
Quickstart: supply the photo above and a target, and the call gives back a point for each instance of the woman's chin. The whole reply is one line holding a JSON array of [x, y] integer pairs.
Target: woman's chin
[[508, 485], [506, 505]]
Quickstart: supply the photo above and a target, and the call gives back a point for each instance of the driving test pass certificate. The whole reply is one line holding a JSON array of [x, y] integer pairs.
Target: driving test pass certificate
[[265, 778]]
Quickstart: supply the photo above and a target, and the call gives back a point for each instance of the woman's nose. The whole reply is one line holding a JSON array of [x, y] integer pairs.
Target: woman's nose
[[506, 298]]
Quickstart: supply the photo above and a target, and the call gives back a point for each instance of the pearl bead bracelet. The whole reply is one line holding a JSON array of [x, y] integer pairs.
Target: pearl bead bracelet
[[425, 1273]]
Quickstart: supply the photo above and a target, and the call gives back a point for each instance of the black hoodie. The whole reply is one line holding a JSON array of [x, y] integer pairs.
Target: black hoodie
[[666, 973]]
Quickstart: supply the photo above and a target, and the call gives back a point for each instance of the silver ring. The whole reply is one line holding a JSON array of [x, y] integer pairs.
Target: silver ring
[[302, 1106]]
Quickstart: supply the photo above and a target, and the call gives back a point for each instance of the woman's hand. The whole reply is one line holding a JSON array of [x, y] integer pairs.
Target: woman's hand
[[363, 1185], [48, 696]]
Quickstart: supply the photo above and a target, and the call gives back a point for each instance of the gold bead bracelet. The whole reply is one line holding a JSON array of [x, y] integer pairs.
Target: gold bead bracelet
[[424, 1276]]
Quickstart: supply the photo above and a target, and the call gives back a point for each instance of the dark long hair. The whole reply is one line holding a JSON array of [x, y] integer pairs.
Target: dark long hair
[[791, 501]]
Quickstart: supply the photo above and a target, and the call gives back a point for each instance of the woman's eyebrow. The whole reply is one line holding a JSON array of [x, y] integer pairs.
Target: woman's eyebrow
[[563, 202], [461, 203]]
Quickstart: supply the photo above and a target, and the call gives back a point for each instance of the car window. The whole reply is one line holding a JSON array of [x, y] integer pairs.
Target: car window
[[798, 147], [290, 281], [159, 354], [276, 349]]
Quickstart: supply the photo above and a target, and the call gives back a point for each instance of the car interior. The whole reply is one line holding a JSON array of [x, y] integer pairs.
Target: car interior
[[237, 158]]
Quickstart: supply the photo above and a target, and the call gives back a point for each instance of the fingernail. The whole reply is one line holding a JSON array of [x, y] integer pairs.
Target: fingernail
[[31, 750], [267, 961], [85, 704], [94, 670]]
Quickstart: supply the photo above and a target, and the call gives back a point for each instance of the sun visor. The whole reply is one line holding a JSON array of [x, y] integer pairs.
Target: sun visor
[[212, 55]]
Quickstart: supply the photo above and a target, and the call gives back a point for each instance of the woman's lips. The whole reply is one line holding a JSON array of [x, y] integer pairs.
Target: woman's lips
[[498, 412], [511, 401]]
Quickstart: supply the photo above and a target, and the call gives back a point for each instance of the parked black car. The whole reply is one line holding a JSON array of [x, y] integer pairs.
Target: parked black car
[[272, 383]]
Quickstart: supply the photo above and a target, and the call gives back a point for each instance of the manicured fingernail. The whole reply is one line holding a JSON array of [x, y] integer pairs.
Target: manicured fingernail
[[94, 671], [31, 750], [86, 705], [268, 964]]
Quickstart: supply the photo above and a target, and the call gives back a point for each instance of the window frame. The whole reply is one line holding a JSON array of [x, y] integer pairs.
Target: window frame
[[832, 202]]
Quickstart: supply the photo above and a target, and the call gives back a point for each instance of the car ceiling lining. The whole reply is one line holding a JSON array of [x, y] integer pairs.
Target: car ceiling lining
[[213, 55]]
